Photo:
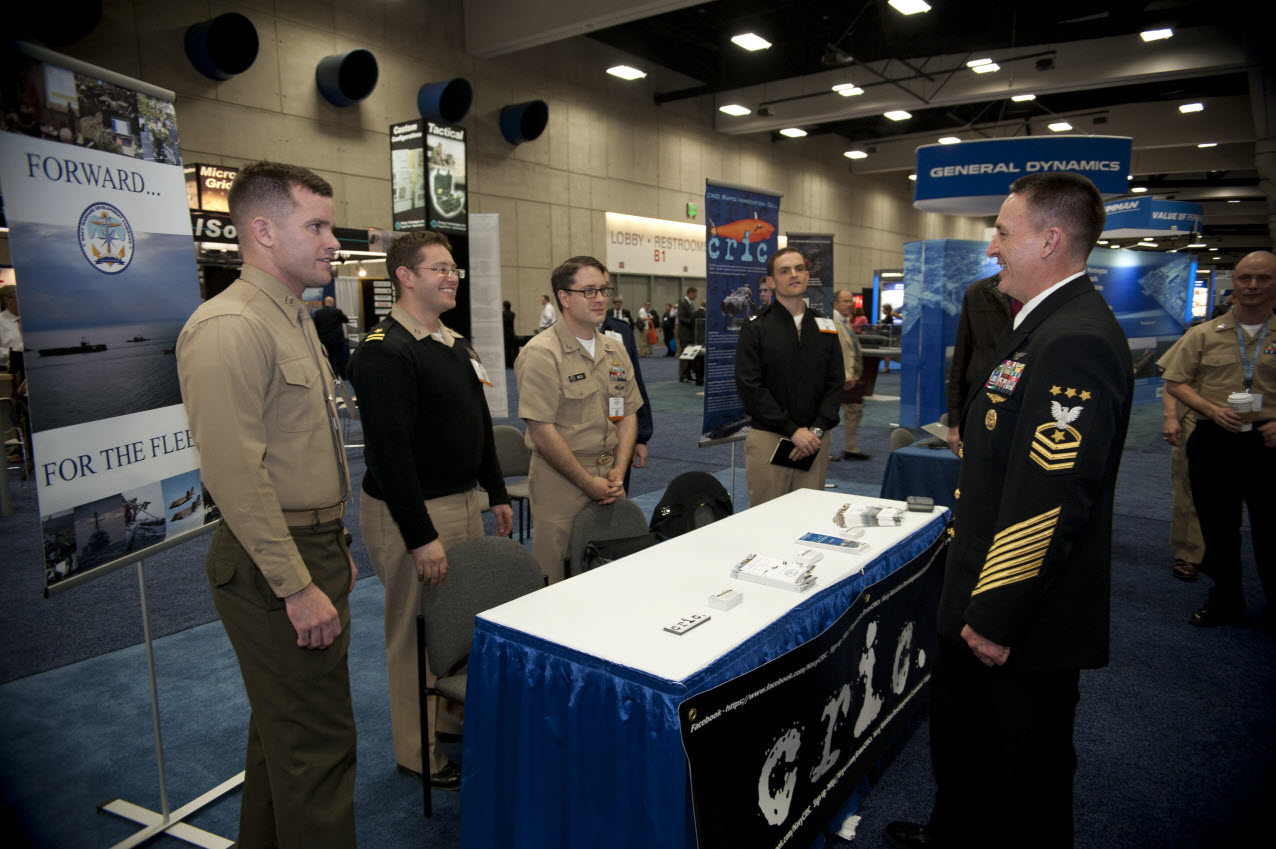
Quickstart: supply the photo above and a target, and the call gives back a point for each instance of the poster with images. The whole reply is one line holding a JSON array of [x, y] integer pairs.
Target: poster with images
[[445, 182], [817, 250], [100, 238], [741, 235]]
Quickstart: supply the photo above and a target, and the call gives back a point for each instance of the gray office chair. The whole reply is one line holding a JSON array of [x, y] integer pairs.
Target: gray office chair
[[482, 573], [515, 459], [901, 437], [622, 519]]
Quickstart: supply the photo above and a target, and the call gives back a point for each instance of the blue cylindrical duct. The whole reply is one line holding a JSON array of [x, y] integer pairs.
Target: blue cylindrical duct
[[447, 101], [222, 47], [346, 78], [524, 121]]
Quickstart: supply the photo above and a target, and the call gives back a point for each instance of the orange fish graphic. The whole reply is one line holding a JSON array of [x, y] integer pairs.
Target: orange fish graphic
[[758, 230]]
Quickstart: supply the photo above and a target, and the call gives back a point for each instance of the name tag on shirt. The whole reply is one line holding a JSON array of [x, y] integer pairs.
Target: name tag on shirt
[[611, 334], [826, 325], [481, 371], [615, 408]]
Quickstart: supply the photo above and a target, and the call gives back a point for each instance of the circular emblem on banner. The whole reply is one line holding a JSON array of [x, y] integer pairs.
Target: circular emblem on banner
[[990, 419], [106, 238]]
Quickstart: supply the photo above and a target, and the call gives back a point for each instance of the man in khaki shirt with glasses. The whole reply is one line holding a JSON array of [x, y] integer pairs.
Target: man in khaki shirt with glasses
[[259, 397], [578, 394]]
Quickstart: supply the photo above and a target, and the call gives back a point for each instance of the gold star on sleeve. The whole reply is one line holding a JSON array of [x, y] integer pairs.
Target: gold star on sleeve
[[1071, 393], [1055, 390], [1085, 395]]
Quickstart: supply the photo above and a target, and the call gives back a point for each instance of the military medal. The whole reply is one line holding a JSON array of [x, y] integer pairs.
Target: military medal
[[990, 419]]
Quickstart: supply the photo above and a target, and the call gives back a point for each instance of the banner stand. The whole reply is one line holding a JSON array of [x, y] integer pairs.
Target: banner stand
[[168, 822]]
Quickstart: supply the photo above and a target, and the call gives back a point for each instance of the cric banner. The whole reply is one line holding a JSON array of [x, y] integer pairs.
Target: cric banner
[[775, 752], [100, 235], [741, 235]]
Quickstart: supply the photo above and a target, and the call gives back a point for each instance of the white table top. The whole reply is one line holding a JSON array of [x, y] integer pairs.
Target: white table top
[[618, 612]]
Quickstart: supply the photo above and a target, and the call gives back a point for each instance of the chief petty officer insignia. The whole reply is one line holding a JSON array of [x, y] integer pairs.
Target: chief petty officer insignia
[[1055, 444]]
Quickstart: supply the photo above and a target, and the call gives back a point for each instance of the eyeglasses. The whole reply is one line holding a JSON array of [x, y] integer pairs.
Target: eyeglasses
[[445, 271], [592, 291]]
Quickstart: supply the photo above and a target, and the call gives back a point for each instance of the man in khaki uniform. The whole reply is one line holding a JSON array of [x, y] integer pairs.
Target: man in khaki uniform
[[853, 364], [259, 396], [578, 395], [1186, 545], [1229, 465]]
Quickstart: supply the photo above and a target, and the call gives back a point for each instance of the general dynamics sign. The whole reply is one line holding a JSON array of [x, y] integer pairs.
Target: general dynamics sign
[[974, 177]]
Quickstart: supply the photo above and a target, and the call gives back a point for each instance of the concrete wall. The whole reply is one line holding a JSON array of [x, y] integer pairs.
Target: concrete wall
[[607, 146]]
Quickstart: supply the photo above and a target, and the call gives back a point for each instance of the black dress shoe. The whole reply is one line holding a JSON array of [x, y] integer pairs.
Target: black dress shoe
[[1216, 614], [855, 455], [907, 835], [448, 778]]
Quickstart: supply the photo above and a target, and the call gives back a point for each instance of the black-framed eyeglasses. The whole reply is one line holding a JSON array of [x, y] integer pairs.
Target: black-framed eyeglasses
[[445, 270], [592, 291]]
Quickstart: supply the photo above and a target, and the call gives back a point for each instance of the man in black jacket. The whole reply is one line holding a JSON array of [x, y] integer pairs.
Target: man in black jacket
[[789, 373], [686, 332], [985, 312], [429, 440], [1024, 605]]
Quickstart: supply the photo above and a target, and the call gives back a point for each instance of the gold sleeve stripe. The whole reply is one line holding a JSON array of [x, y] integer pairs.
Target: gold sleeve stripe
[[1017, 552]]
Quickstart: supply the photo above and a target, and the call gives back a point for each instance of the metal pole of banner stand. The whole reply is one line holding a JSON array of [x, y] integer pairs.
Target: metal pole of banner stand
[[165, 821], [733, 444]]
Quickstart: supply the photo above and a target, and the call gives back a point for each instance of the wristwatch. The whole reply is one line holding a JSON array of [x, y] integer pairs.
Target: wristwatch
[[818, 431]]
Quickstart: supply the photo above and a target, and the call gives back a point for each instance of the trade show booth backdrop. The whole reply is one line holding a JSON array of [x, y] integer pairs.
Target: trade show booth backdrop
[[1150, 293]]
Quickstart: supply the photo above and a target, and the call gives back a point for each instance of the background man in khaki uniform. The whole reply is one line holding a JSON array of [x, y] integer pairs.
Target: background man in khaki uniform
[[1230, 466], [259, 396], [578, 395], [853, 364]]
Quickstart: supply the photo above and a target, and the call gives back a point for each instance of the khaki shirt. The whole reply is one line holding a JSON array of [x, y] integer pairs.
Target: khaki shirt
[[258, 395], [558, 383], [851, 359], [1208, 359]]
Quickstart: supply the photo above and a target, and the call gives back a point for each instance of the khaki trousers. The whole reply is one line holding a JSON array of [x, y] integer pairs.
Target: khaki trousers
[[766, 481], [1186, 543], [851, 416], [300, 762], [555, 501], [457, 518]]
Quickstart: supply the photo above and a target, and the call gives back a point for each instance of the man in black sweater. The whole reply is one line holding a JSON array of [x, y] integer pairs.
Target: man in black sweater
[[429, 440], [789, 372], [330, 325]]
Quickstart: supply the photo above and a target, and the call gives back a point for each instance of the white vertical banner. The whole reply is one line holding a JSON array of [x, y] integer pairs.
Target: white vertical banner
[[95, 199], [486, 331]]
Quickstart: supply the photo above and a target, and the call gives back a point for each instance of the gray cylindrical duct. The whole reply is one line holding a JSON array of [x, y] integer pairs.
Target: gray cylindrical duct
[[346, 78], [222, 47], [524, 121]]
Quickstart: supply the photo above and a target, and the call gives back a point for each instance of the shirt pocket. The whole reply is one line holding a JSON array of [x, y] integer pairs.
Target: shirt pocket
[[580, 402], [299, 406]]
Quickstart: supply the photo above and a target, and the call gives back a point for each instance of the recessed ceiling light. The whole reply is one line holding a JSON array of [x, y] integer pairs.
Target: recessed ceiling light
[[750, 41], [1197, 245], [848, 89], [1146, 239], [626, 73], [950, 140], [1145, 245], [975, 63], [1208, 144], [897, 115], [912, 176], [793, 132], [735, 109], [910, 7], [1060, 126], [983, 66], [1192, 107], [1138, 189], [1156, 34], [855, 154], [1103, 241], [1021, 98], [1233, 201]]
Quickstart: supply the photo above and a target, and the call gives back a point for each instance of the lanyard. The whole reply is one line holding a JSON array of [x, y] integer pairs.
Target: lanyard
[[1245, 360]]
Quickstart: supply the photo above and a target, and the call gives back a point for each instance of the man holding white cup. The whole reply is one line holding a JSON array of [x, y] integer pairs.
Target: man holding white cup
[[1231, 360]]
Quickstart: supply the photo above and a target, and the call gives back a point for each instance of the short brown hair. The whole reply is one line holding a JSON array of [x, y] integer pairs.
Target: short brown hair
[[770, 262], [565, 275], [405, 250], [1066, 200], [266, 188]]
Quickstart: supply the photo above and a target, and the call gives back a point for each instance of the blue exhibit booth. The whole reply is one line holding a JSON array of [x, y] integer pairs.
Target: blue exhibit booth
[[1150, 293]]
